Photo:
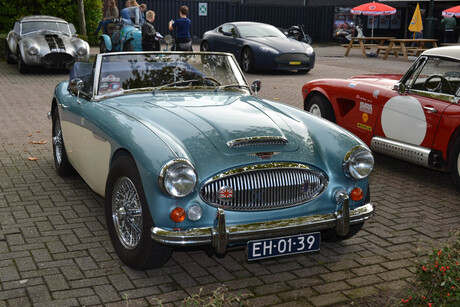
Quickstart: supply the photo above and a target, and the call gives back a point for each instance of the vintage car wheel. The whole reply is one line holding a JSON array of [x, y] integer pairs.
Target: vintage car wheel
[[321, 107], [8, 58], [129, 220], [128, 46], [454, 163], [62, 164], [22, 67], [103, 47], [204, 46], [247, 60]]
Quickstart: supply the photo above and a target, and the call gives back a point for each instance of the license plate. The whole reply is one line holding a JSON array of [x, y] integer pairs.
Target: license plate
[[259, 249], [294, 63]]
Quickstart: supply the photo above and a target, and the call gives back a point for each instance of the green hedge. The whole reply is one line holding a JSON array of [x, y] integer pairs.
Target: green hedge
[[65, 9]]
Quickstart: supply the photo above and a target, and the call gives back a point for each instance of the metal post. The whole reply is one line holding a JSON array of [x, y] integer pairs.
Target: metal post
[[430, 21]]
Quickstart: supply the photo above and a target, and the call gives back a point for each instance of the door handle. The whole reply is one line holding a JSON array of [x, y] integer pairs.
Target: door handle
[[63, 106], [431, 109]]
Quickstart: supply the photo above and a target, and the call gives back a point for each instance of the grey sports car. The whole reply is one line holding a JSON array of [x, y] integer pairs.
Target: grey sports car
[[45, 41]]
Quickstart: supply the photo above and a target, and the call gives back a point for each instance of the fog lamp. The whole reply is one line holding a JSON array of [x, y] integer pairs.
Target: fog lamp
[[356, 194], [178, 215], [194, 213]]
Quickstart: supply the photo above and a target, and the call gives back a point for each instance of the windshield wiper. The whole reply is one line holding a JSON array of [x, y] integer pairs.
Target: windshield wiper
[[156, 89], [224, 87]]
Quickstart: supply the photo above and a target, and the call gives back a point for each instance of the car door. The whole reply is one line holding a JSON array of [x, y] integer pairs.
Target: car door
[[413, 116], [228, 40]]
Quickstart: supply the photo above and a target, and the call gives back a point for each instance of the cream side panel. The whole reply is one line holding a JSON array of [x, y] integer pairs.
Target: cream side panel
[[92, 156]]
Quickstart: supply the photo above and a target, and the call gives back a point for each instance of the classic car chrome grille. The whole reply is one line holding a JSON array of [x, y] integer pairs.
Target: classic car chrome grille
[[264, 187], [257, 141], [289, 57], [57, 58]]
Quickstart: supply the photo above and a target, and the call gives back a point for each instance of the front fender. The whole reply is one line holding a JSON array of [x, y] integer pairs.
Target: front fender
[[28, 59], [107, 41]]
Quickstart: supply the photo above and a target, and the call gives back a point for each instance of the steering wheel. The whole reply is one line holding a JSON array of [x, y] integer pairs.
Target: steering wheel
[[438, 88], [212, 80]]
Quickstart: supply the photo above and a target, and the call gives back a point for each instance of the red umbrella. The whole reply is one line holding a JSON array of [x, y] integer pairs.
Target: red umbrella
[[453, 11], [373, 9]]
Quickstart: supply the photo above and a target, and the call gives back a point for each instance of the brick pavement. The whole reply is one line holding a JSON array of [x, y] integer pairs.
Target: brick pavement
[[55, 251]]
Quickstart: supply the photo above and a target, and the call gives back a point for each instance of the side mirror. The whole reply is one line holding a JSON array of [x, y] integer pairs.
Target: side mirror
[[76, 86], [220, 29], [399, 87], [256, 86]]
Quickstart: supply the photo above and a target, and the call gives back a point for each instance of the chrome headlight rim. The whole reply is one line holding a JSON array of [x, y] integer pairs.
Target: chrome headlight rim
[[81, 51], [266, 49], [357, 156], [165, 177], [32, 50]]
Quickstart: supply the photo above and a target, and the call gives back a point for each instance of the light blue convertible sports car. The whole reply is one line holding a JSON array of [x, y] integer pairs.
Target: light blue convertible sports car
[[185, 154]]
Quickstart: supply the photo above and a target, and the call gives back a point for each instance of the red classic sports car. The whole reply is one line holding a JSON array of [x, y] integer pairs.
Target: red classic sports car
[[414, 117]]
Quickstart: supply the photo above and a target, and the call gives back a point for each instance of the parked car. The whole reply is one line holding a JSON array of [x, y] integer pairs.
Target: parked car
[[259, 46], [185, 155], [414, 117], [45, 41], [123, 38]]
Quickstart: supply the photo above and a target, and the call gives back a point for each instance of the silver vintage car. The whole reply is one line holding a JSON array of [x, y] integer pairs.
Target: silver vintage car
[[45, 41]]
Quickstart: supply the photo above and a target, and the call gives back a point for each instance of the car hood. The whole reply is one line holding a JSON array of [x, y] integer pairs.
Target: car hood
[[282, 44], [188, 119], [383, 80], [55, 41]]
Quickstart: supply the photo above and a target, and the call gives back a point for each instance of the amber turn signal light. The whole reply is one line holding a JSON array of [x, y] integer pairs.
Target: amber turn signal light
[[356, 194], [178, 215]]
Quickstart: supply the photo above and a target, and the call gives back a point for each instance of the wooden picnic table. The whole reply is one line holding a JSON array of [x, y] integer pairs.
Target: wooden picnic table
[[363, 44], [416, 47]]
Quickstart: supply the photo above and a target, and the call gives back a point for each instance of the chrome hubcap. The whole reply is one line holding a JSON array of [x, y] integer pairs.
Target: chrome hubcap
[[57, 142], [246, 60], [315, 110], [127, 213]]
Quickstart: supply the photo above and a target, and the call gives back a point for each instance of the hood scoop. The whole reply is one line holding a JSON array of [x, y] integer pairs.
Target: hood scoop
[[257, 141]]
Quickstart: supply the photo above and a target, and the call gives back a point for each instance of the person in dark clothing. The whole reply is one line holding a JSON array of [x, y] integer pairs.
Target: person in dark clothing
[[182, 26], [149, 35]]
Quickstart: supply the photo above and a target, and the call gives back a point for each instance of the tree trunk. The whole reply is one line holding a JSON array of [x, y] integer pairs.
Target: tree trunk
[[81, 17]]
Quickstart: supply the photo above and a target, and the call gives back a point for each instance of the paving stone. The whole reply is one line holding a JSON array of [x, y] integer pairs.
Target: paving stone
[[55, 250]]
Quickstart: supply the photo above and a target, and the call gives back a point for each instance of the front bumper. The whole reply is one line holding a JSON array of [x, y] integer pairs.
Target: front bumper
[[222, 235]]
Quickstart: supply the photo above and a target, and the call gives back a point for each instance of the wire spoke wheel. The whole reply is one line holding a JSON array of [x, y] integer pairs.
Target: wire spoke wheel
[[127, 213]]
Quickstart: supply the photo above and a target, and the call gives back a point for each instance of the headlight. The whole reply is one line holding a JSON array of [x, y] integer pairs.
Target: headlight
[[358, 162], [268, 50], [310, 50], [178, 178], [32, 50], [82, 51]]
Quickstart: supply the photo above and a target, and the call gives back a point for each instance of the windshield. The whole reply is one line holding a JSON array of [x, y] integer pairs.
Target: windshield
[[33, 26], [252, 30], [436, 74], [162, 71]]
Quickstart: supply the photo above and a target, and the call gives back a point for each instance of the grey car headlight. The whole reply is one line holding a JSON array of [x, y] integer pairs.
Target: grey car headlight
[[82, 51], [178, 178], [268, 50], [310, 50], [32, 50], [358, 162]]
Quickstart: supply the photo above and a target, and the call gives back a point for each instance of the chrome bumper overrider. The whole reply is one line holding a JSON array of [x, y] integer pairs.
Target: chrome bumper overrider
[[221, 235]]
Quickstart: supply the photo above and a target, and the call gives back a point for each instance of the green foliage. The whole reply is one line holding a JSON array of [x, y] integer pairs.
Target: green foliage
[[65, 9], [438, 277]]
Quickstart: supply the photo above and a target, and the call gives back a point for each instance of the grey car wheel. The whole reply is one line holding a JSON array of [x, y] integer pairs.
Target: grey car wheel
[[128, 218], [61, 163], [247, 60], [22, 67]]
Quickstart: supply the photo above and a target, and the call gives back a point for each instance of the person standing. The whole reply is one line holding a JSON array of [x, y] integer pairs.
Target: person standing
[[110, 15], [182, 26], [449, 24], [149, 35]]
